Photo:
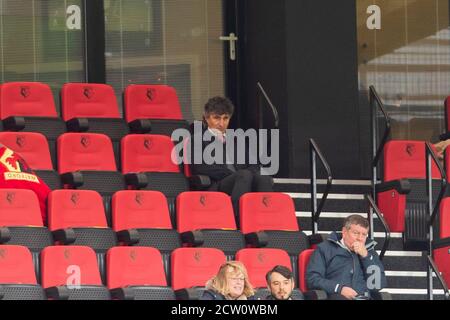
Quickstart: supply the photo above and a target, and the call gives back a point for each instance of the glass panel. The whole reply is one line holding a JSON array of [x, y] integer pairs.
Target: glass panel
[[174, 42], [42, 40], [407, 61]]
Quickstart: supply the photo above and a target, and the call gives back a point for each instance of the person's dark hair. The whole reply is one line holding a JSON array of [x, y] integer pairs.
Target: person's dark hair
[[356, 219], [219, 106], [284, 271]]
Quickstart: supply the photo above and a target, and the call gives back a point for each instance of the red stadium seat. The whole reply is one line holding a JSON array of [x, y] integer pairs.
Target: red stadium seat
[[259, 261], [402, 195], [441, 246], [206, 219], [147, 153], [269, 220], [71, 272], [153, 109], [151, 102], [17, 275], [151, 156], [88, 100], [303, 261], [141, 218], [192, 268], [137, 273]]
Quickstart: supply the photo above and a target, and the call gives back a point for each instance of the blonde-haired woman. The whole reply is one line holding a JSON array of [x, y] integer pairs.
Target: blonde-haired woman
[[230, 283]]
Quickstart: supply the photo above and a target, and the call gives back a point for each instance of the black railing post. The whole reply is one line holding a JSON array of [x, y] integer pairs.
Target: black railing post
[[373, 208], [430, 157], [375, 102], [316, 209]]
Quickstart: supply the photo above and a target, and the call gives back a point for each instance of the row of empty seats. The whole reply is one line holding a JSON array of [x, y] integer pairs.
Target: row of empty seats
[[141, 218], [133, 273], [29, 106]]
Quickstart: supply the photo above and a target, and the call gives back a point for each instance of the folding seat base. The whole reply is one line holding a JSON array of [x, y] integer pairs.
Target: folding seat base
[[21, 292], [229, 241], [415, 236], [143, 293], [81, 293]]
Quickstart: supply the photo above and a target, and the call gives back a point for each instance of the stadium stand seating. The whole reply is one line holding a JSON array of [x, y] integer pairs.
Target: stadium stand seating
[[153, 109], [206, 219], [86, 162], [441, 246], [89, 107], [34, 149], [258, 262], [402, 194], [29, 106], [192, 268], [71, 273], [268, 220], [151, 155], [141, 218], [137, 273], [17, 275], [21, 222], [77, 217]]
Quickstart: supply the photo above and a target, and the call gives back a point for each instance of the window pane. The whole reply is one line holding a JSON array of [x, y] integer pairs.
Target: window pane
[[37, 44], [174, 42], [407, 62]]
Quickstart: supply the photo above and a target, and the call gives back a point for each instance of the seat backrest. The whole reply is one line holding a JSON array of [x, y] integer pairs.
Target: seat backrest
[[193, 267], [85, 152], [16, 265], [303, 260], [75, 209], [32, 147], [259, 261], [19, 207], [26, 99], [134, 266], [444, 221], [406, 159], [69, 265], [140, 210], [88, 100], [267, 211], [147, 153], [151, 102], [204, 210]]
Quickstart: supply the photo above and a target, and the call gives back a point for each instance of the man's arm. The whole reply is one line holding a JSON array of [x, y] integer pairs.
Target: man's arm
[[315, 274], [372, 262]]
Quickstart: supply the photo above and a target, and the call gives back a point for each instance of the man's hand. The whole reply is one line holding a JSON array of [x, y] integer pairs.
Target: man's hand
[[349, 293], [360, 249]]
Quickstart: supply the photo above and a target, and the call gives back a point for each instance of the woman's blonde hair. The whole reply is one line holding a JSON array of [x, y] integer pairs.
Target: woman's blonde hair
[[219, 281]]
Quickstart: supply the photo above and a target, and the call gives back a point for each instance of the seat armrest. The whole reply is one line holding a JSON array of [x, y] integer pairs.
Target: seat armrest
[[402, 186], [257, 239], [72, 179], [129, 237], [78, 125], [193, 238], [140, 126], [65, 236], [14, 123]]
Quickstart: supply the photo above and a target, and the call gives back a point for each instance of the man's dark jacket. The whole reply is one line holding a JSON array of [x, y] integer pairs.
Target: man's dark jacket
[[332, 266]]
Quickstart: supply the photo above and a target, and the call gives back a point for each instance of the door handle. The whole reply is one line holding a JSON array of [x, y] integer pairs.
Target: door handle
[[232, 39]]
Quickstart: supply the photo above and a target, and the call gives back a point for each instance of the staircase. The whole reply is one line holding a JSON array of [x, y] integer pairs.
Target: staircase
[[406, 271]]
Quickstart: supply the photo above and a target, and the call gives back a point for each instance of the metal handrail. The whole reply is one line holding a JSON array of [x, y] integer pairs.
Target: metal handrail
[[373, 97], [433, 266], [387, 231], [317, 209], [375, 101], [271, 105], [432, 211], [430, 155]]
